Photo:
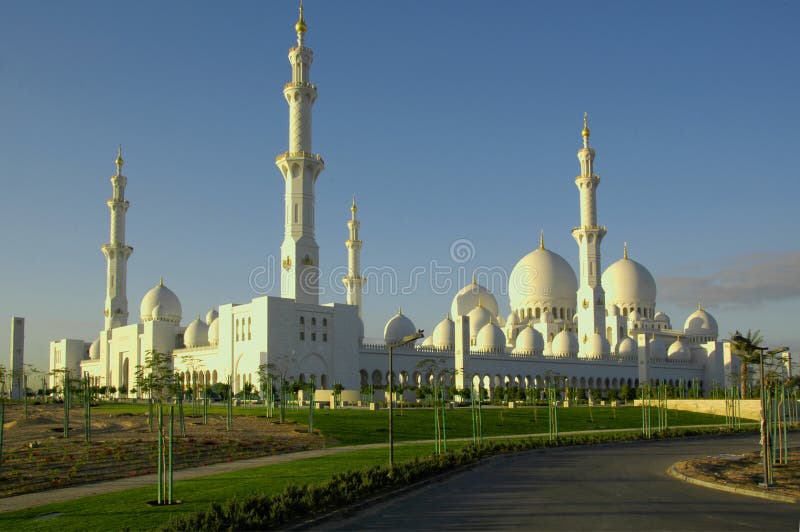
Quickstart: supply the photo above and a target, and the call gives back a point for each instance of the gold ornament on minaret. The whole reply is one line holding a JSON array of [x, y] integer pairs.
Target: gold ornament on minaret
[[119, 160], [585, 131], [301, 27]]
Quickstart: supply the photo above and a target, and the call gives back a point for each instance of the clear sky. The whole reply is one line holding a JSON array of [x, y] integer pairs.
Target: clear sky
[[450, 120]]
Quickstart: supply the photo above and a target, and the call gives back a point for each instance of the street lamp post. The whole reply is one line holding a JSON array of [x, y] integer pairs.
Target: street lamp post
[[404, 341]]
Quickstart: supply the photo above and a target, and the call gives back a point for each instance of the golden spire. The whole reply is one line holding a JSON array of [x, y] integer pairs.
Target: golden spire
[[699, 306], [301, 27], [353, 207], [399, 311], [625, 251], [480, 302], [161, 281], [541, 239], [585, 133], [119, 160], [474, 278]]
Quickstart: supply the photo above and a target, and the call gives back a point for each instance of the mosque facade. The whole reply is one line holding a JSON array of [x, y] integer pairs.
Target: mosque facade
[[595, 330]]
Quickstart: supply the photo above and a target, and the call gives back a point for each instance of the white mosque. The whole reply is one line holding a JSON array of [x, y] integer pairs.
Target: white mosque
[[598, 330]]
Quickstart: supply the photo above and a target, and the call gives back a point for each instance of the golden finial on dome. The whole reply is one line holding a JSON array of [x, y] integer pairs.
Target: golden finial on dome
[[541, 239], [161, 281], [585, 131], [301, 27], [119, 160], [353, 207], [474, 278], [699, 306], [625, 251], [399, 311]]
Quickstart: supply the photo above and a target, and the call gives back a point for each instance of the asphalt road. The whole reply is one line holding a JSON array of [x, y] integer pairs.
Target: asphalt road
[[609, 487]]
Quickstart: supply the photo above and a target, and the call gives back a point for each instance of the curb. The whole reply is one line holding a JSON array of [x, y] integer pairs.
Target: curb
[[779, 497]]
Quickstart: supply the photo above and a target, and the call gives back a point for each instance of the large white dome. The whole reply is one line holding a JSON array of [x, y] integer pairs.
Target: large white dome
[[213, 332], [478, 317], [169, 306], [529, 341], [627, 347], [565, 343], [701, 322], [94, 349], [397, 328], [679, 350], [597, 346], [491, 338], [444, 334], [542, 279], [468, 298], [628, 284], [196, 334]]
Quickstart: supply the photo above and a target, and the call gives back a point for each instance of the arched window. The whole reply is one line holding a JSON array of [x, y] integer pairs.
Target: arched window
[[302, 328], [324, 329], [313, 329], [538, 313], [249, 328], [237, 329]]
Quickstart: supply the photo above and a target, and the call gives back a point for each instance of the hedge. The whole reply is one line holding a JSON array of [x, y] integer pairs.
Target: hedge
[[295, 503]]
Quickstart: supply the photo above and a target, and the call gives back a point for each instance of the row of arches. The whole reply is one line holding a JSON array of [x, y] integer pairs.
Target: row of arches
[[313, 328]]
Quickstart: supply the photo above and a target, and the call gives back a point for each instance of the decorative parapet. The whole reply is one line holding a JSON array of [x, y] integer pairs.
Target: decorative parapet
[[300, 155]]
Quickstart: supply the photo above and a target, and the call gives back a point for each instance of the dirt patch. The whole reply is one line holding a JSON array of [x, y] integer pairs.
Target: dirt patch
[[746, 471], [37, 457]]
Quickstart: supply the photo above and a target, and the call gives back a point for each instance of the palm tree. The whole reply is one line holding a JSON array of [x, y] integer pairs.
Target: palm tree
[[746, 348]]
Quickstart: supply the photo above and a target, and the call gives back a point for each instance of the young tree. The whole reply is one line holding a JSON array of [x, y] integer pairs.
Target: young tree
[[748, 354], [157, 379]]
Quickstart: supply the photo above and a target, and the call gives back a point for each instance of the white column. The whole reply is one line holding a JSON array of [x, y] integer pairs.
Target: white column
[[117, 253], [353, 280]]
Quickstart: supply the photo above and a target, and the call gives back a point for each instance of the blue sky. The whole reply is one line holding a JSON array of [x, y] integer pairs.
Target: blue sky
[[449, 119]]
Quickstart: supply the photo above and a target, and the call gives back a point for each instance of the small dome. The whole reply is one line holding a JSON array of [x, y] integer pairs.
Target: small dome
[[565, 343], [213, 332], [679, 350], [660, 317], [512, 319], [397, 328], [627, 347], [444, 334], [468, 298], [196, 334], [613, 310], [169, 306], [428, 341], [501, 321], [94, 349], [478, 317], [542, 278], [529, 341], [635, 316], [701, 322], [658, 348], [491, 338], [597, 346], [211, 316], [627, 283], [547, 317]]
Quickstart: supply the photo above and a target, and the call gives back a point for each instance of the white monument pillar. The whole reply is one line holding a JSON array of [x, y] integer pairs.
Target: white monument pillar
[[353, 280], [117, 253], [591, 298], [300, 169]]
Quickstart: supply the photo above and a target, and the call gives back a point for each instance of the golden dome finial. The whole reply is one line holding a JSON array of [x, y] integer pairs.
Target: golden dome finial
[[161, 281], [301, 27], [119, 160], [541, 239], [585, 131], [625, 251], [353, 207]]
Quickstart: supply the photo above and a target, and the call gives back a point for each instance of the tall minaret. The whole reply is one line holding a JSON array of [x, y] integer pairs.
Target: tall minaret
[[591, 298], [353, 280], [300, 168], [117, 252]]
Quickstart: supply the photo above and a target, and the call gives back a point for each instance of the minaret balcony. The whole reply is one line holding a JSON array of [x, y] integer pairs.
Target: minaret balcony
[[300, 155], [300, 84]]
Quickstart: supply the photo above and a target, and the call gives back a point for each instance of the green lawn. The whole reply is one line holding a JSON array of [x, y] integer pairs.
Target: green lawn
[[360, 426], [127, 509]]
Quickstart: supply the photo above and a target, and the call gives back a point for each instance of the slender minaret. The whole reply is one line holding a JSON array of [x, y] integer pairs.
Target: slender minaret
[[353, 280], [300, 168], [117, 252], [591, 298]]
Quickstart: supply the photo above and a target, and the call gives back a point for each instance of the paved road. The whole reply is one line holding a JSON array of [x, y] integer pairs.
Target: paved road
[[610, 487]]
